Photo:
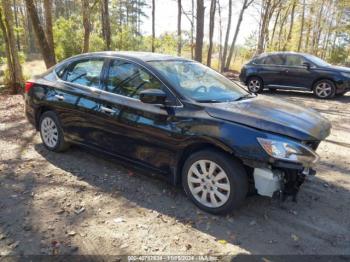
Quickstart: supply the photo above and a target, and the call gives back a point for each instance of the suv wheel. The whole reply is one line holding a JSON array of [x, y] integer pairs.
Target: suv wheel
[[324, 89], [51, 132], [214, 181], [255, 85]]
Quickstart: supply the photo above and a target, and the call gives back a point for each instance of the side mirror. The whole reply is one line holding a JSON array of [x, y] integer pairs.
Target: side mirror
[[307, 65], [153, 96]]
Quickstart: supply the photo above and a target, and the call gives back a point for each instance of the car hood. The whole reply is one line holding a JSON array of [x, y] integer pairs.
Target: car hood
[[274, 115]]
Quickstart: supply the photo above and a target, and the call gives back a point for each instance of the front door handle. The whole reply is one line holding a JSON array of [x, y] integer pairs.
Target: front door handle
[[60, 97], [107, 110]]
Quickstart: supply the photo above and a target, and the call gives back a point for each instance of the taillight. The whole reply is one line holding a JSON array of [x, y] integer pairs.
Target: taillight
[[28, 86]]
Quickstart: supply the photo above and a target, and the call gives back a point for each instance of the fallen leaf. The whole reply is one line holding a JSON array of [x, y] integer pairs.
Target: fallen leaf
[[72, 233], [118, 220], [79, 211], [294, 237], [124, 246]]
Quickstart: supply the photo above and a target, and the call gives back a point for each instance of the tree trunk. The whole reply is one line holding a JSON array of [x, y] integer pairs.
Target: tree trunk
[[261, 40], [308, 36], [106, 26], [289, 36], [153, 24], [32, 48], [238, 26], [317, 29], [15, 10], [224, 55], [48, 23], [211, 30], [192, 29], [267, 10], [179, 12], [14, 66], [47, 53], [220, 35], [10, 66], [86, 24], [199, 31], [280, 31], [302, 26], [271, 44]]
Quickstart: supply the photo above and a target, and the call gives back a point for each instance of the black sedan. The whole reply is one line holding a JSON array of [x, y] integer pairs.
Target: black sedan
[[180, 119], [295, 71]]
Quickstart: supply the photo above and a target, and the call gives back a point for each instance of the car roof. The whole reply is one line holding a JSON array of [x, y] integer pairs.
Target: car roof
[[281, 53], [134, 55]]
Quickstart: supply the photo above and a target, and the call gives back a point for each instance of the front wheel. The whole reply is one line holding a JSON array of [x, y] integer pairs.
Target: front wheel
[[214, 181], [255, 85], [51, 132], [324, 89]]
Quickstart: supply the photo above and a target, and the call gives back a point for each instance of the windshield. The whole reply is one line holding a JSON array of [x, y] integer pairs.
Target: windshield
[[317, 61], [199, 82]]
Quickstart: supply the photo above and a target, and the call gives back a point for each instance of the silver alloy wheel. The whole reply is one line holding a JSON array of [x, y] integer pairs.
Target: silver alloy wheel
[[49, 132], [323, 89], [254, 85], [208, 183]]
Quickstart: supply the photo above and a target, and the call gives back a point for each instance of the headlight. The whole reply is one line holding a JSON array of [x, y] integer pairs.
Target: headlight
[[289, 151], [347, 75]]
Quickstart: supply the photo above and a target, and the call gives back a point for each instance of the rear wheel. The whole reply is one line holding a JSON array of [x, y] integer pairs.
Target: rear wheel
[[255, 85], [214, 181], [324, 89], [51, 132]]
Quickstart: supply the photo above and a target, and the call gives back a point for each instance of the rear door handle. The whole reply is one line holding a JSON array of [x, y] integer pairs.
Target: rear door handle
[[107, 110], [59, 97]]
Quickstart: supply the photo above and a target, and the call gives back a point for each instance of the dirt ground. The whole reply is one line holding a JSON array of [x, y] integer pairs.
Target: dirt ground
[[80, 202]]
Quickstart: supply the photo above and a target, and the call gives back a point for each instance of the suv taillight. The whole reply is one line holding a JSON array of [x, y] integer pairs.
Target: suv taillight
[[28, 86]]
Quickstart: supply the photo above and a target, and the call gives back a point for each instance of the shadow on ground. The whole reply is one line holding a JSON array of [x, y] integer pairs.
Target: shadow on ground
[[261, 226], [317, 224]]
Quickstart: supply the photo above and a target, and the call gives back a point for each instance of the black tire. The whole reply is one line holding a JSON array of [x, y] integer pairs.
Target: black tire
[[236, 174], [324, 84], [60, 144], [255, 84]]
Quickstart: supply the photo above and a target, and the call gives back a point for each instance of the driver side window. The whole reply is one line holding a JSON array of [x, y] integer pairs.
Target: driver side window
[[86, 72]]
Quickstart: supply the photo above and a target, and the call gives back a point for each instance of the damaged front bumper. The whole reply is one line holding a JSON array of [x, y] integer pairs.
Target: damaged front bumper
[[280, 183]]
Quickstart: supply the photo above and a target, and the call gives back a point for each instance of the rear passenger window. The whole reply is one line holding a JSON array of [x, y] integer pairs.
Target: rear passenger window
[[259, 60], [294, 60], [86, 72], [274, 60]]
